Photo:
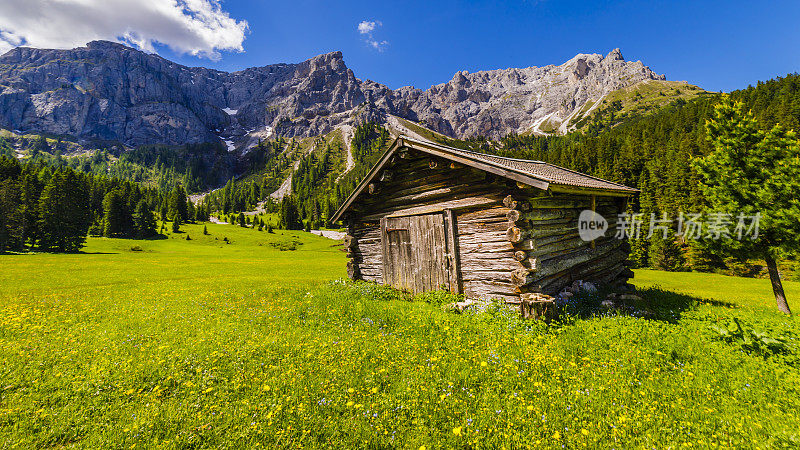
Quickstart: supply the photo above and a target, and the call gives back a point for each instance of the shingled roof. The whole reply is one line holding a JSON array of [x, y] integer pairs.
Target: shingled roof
[[538, 174]]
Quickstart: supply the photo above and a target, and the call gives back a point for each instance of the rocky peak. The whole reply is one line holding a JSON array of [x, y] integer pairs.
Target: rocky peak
[[108, 45], [615, 55], [535, 99]]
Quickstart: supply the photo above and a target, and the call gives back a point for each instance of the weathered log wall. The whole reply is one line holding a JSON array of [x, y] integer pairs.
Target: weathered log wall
[[510, 239], [544, 232], [487, 258], [420, 184]]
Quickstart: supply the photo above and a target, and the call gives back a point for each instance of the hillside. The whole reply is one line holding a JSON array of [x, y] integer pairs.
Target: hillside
[[641, 98]]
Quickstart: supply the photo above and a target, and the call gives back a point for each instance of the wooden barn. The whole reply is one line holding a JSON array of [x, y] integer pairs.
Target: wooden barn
[[429, 216]]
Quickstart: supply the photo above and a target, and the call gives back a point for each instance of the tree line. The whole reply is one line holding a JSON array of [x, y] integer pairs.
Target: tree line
[[318, 182], [54, 208]]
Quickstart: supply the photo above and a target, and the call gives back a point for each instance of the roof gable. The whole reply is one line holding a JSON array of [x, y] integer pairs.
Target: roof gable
[[537, 174]]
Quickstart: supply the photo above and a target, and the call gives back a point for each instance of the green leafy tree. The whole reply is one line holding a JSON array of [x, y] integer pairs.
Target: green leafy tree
[[751, 172], [30, 191]]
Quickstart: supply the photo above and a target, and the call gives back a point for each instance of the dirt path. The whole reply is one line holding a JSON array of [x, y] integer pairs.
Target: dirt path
[[347, 139], [330, 234], [286, 187]]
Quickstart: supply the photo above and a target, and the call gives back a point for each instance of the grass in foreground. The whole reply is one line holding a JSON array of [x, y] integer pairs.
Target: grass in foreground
[[194, 344]]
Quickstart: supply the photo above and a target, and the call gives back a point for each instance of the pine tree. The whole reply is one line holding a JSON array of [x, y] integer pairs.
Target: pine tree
[[751, 173], [144, 221], [205, 230], [113, 214], [30, 191], [64, 216], [176, 224], [178, 204], [290, 217], [191, 211], [11, 234]]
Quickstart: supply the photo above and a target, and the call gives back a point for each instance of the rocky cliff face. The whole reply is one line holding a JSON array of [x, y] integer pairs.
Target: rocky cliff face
[[537, 99], [106, 91]]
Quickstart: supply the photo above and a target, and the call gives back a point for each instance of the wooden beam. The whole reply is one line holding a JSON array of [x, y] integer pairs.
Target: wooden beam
[[403, 145], [384, 253], [454, 257], [458, 204], [562, 189]]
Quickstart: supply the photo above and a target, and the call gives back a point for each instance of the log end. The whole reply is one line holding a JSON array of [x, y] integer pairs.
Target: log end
[[521, 277], [514, 235], [510, 202]]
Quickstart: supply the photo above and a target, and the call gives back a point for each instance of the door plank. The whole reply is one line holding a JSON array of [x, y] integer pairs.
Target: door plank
[[416, 253], [454, 257]]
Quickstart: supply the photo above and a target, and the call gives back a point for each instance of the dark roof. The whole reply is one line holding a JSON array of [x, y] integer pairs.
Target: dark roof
[[538, 174], [544, 171]]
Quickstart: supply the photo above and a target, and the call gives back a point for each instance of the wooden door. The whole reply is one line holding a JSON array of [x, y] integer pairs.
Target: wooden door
[[415, 252]]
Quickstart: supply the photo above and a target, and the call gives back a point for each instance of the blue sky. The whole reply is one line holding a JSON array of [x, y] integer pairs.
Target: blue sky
[[718, 45]]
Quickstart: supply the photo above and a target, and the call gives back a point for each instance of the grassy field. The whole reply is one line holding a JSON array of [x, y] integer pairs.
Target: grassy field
[[200, 343]]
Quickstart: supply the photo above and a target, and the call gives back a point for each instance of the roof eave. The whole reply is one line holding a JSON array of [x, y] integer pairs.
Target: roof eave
[[570, 189]]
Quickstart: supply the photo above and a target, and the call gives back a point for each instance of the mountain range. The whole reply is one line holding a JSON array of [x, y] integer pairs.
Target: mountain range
[[107, 92]]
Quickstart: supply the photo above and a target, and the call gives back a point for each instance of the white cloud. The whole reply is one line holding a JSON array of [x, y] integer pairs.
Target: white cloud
[[366, 29], [197, 27]]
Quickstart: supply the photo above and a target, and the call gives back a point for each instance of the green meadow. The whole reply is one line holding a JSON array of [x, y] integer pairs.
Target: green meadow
[[243, 338]]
